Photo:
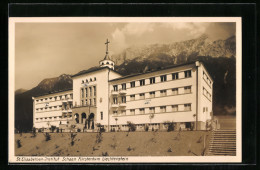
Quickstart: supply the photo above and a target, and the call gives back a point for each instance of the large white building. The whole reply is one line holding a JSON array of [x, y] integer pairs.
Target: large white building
[[181, 94]]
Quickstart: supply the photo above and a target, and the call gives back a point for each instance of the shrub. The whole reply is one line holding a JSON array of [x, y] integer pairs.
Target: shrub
[[99, 137], [18, 142], [33, 132], [146, 128], [199, 140], [57, 130], [47, 136], [72, 138], [129, 148], [104, 154], [169, 125], [131, 126], [53, 128], [192, 126]]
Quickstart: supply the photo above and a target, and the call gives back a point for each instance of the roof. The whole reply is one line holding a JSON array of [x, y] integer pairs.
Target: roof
[[90, 71], [165, 68], [53, 92]]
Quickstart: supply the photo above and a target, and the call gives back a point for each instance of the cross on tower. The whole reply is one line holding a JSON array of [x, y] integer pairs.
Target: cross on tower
[[107, 45]]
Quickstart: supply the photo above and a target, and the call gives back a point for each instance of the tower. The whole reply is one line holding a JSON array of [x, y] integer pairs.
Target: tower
[[107, 62]]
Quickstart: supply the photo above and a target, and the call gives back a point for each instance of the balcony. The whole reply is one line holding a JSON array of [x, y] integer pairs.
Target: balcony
[[122, 104], [115, 105], [113, 92], [122, 91]]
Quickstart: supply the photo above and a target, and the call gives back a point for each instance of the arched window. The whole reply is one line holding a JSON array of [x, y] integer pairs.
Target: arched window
[[107, 62], [102, 63], [112, 64]]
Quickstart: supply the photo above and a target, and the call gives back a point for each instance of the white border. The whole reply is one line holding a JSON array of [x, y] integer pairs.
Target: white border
[[131, 159]]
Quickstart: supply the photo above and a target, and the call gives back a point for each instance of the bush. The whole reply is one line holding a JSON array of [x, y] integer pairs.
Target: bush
[[72, 138], [104, 154], [146, 128], [170, 126], [57, 130], [131, 126], [53, 128], [18, 142], [99, 137], [47, 136], [33, 132]]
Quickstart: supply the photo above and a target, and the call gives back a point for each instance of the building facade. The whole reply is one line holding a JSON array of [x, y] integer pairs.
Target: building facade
[[181, 94]]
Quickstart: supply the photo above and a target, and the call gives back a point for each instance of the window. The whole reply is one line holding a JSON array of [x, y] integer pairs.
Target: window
[[142, 82], [41, 99], [163, 109], [152, 110], [163, 78], [123, 99], [95, 91], [132, 84], [50, 98], [122, 112], [115, 88], [187, 73], [37, 100], [132, 97], [132, 111], [94, 101], [141, 111], [86, 101], [141, 96], [90, 79], [175, 76], [90, 102], [86, 90], [46, 99], [123, 86], [187, 107], [82, 102], [152, 94], [101, 115], [163, 93], [187, 89], [115, 112], [114, 100], [175, 91], [82, 81], [71, 96], [152, 80], [95, 78], [175, 108], [82, 93], [90, 91]]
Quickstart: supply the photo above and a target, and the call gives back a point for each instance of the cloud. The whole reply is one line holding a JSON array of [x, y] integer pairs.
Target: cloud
[[192, 29]]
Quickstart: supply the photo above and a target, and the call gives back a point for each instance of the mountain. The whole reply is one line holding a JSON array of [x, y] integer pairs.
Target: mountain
[[20, 91], [200, 46], [23, 101], [218, 57]]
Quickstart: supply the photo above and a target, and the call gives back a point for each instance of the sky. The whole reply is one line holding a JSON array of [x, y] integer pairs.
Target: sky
[[46, 50]]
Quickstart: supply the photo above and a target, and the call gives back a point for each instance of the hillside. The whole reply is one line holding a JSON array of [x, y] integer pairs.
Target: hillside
[[190, 143], [176, 51], [218, 57]]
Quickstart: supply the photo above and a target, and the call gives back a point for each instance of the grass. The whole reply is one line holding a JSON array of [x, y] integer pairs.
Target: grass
[[114, 144]]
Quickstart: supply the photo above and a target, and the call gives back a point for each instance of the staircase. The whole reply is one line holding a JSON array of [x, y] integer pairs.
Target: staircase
[[222, 143]]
